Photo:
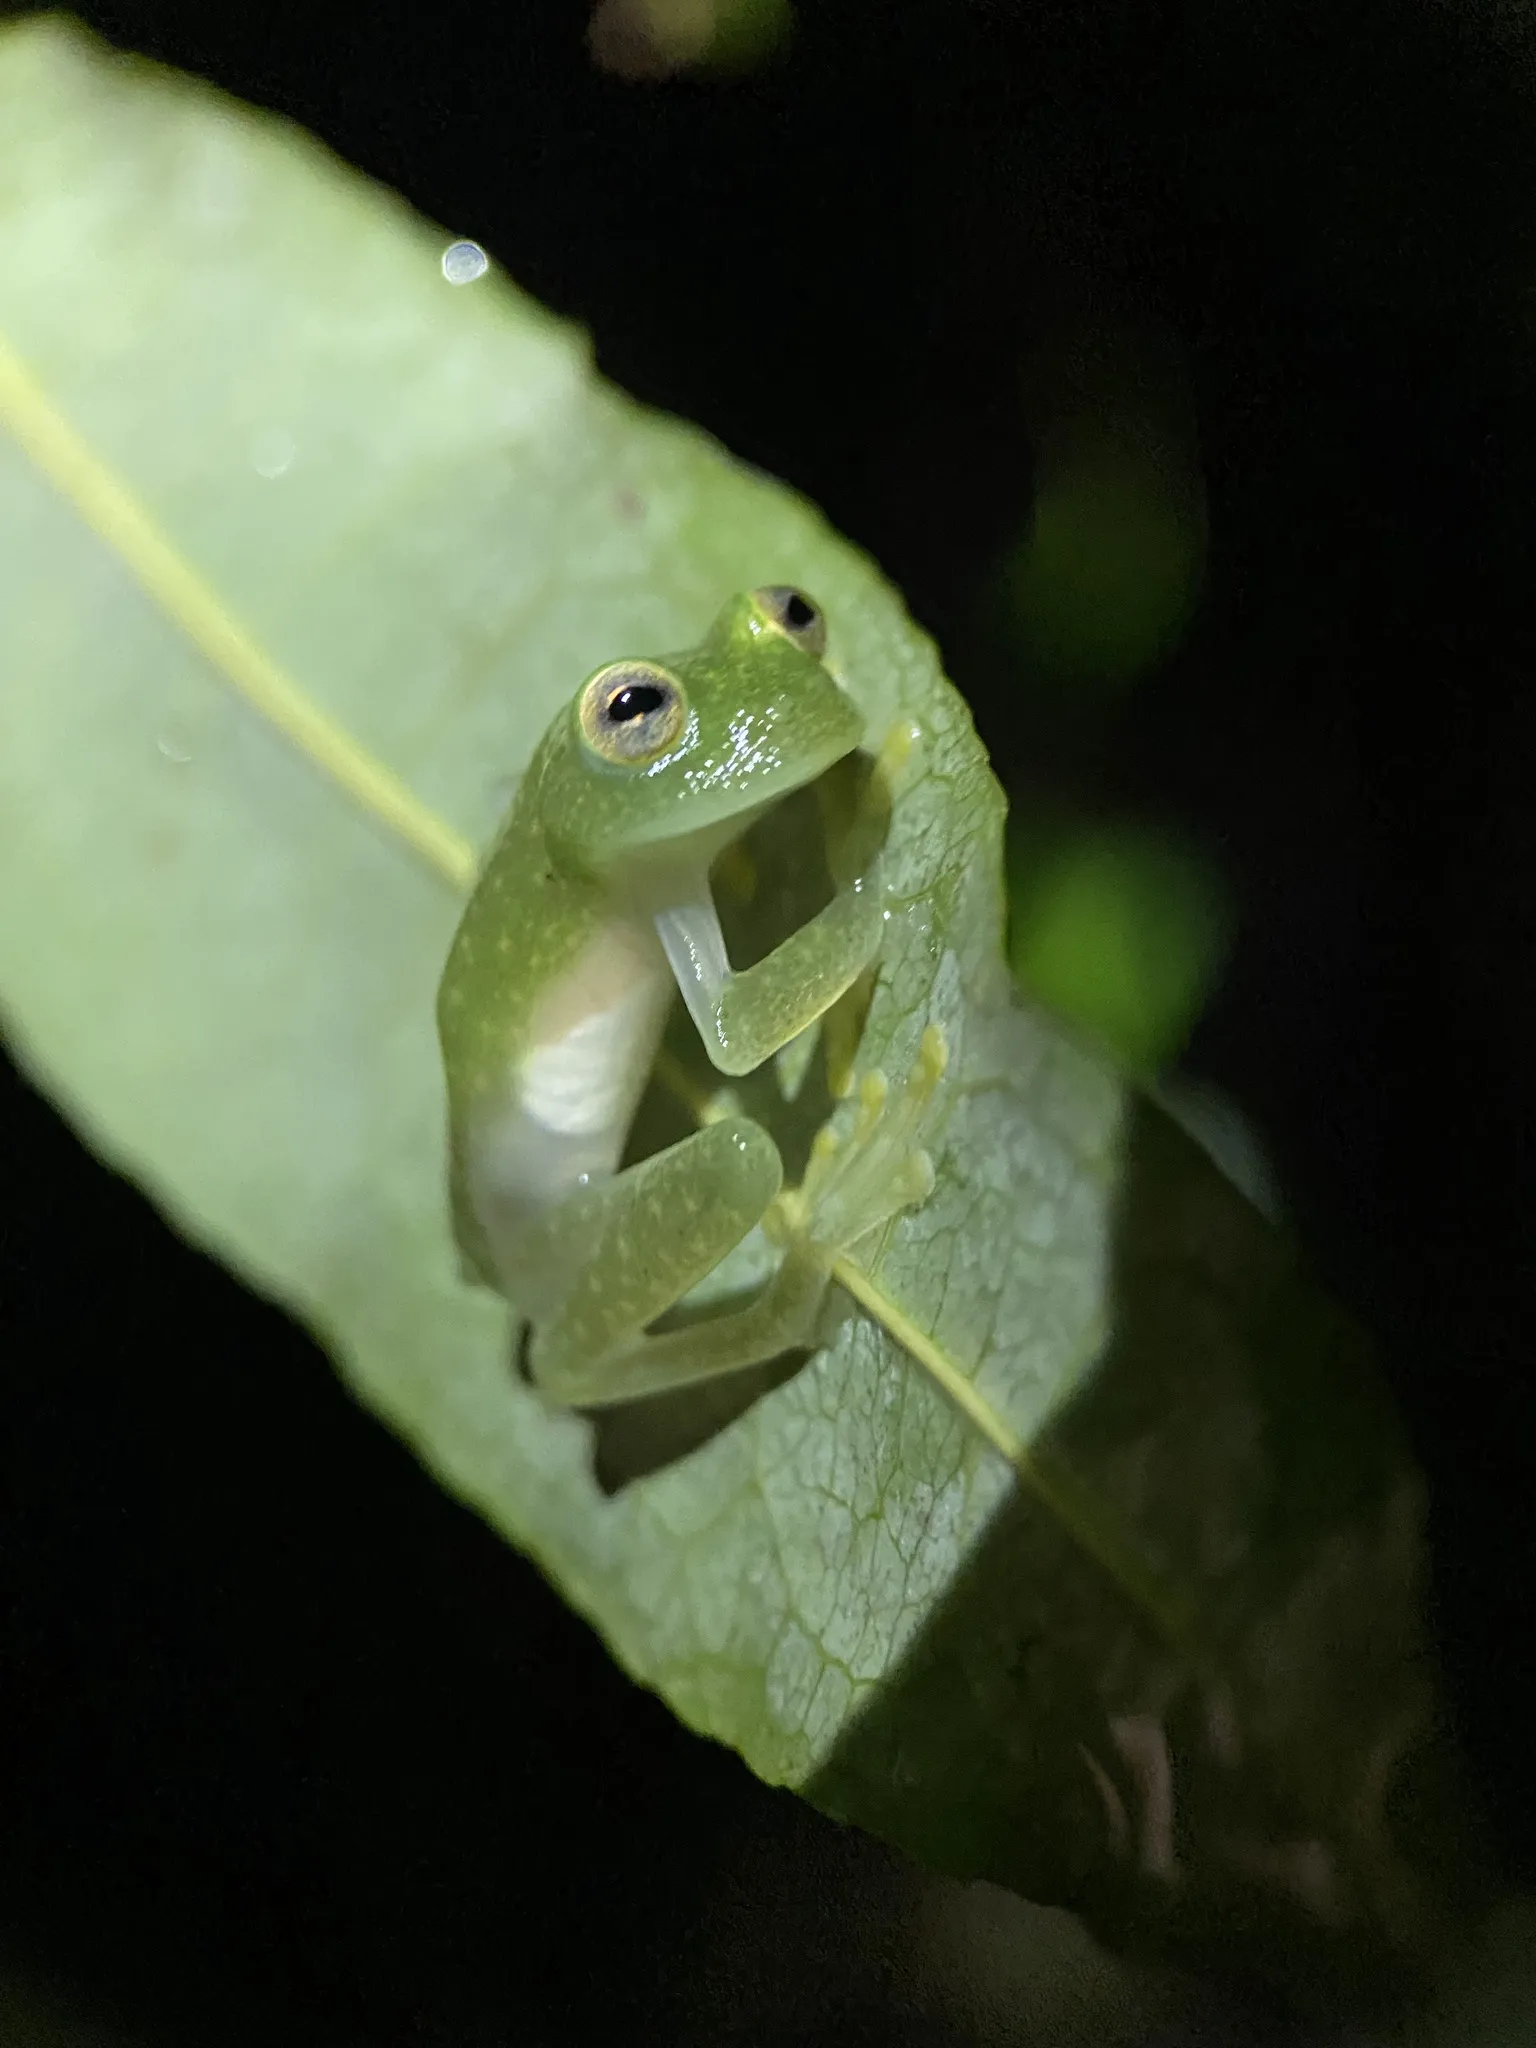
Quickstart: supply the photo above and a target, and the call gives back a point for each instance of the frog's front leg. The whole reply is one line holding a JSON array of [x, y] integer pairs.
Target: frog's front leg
[[745, 1018], [616, 1254]]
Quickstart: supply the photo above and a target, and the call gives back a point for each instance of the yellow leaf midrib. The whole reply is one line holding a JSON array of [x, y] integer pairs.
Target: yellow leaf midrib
[[118, 519]]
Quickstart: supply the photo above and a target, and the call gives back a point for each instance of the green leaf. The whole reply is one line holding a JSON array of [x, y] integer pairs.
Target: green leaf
[[1087, 1557], [1105, 581]]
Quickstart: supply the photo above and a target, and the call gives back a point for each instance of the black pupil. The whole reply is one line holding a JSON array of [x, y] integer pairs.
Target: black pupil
[[797, 612], [635, 700]]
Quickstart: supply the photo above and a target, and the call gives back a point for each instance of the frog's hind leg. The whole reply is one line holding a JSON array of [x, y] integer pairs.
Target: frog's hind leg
[[639, 1243]]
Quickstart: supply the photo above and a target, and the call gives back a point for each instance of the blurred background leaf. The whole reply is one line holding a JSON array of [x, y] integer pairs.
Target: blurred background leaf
[[653, 39], [1102, 584], [1119, 928]]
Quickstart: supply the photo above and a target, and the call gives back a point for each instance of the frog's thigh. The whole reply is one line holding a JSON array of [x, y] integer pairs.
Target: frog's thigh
[[639, 1242], [783, 1317]]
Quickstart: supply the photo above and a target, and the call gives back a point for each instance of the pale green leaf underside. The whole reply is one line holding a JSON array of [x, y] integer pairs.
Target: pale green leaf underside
[[420, 504]]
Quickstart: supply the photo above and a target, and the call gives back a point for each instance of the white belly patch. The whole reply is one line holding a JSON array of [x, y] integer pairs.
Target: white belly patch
[[594, 1036], [573, 1093], [584, 1082]]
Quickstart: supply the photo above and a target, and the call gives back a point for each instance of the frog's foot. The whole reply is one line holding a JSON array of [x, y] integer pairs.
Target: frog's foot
[[859, 1180]]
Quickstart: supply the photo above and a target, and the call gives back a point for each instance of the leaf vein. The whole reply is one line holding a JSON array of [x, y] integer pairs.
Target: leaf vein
[[112, 512]]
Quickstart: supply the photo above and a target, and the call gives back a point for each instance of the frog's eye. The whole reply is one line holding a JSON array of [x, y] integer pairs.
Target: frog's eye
[[796, 617], [632, 711]]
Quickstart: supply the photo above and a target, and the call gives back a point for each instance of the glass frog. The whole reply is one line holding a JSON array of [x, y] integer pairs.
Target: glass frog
[[593, 906]]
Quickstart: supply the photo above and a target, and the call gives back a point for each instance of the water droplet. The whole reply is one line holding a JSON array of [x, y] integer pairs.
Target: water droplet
[[272, 452], [172, 750], [463, 262]]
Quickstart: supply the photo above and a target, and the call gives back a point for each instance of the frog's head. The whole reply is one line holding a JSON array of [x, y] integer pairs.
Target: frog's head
[[656, 759]]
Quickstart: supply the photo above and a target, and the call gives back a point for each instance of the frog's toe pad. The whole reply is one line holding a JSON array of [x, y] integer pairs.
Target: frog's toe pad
[[860, 1178]]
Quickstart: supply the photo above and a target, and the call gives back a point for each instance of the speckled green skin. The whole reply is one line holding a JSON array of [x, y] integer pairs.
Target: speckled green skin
[[586, 839], [524, 925]]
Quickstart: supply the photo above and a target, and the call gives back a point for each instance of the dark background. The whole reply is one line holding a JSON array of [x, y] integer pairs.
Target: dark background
[[299, 1751]]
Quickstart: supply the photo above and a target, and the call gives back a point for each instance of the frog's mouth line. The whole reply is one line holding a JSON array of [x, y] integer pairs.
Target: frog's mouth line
[[716, 815]]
